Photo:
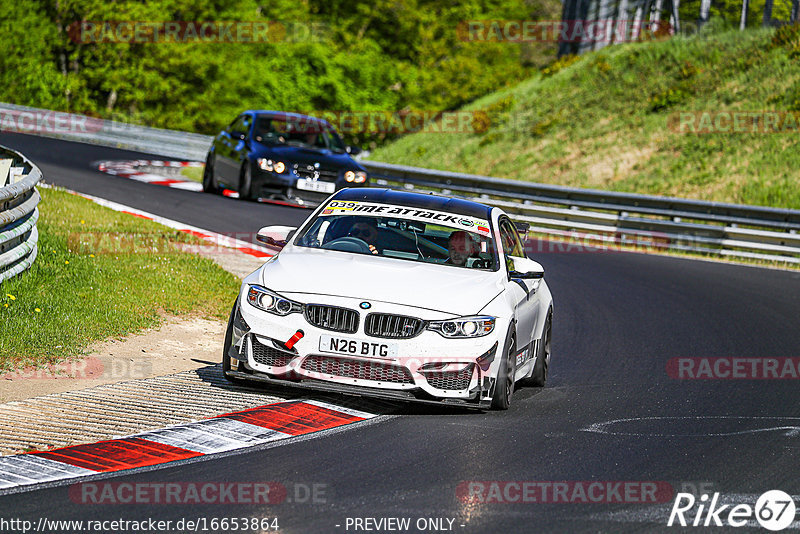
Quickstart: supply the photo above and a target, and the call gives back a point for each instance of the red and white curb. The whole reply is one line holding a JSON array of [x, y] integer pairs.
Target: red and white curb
[[206, 235], [238, 430], [130, 169]]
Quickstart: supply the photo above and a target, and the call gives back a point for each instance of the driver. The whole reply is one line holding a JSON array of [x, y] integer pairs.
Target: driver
[[461, 247], [366, 229]]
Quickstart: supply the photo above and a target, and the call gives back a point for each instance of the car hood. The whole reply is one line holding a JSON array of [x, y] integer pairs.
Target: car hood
[[294, 154], [435, 287]]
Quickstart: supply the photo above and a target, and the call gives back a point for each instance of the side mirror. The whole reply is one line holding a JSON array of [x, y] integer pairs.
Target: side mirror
[[526, 269], [352, 150], [276, 236]]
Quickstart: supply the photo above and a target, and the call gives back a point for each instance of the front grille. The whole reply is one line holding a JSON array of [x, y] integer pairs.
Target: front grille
[[392, 326], [308, 171], [266, 355], [332, 318], [449, 379], [361, 369]]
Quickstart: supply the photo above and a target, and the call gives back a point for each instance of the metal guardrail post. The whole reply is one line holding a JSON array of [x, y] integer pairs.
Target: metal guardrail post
[[18, 213]]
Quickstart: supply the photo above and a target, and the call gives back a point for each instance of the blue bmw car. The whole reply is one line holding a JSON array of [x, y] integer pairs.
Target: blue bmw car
[[281, 156]]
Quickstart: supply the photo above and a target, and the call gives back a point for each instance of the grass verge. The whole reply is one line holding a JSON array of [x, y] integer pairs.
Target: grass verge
[[612, 120], [101, 274], [194, 174]]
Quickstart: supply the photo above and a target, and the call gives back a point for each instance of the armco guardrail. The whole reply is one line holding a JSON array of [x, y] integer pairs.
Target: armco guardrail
[[612, 219], [18, 213], [75, 127], [583, 217]]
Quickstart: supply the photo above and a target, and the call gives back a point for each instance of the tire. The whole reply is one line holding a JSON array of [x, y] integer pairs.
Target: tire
[[245, 182], [538, 376], [504, 388], [226, 360], [209, 181]]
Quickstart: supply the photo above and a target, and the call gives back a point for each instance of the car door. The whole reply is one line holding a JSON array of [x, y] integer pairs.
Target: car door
[[522, 291]]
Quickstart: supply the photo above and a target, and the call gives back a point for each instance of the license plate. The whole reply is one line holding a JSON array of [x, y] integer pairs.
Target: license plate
[[313, 185], [356, 347]]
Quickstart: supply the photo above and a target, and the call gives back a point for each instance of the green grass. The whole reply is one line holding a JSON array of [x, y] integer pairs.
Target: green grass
[[194, 174], [603, 121], [101, 274]]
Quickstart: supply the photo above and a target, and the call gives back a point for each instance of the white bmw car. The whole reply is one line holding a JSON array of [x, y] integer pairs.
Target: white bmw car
[[396, 295]]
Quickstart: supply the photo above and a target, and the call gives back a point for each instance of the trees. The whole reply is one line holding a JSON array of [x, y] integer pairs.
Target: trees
[[359, 55]]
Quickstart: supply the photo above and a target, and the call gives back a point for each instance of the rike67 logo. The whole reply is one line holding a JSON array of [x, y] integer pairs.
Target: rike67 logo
[[774, 510]]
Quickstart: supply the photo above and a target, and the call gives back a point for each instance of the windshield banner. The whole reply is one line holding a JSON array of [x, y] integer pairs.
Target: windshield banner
[[373, 209]]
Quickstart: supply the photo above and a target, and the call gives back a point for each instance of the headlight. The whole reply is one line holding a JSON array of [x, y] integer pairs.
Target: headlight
[[268, 165], [269, 301], [464, 326], [355, 177]]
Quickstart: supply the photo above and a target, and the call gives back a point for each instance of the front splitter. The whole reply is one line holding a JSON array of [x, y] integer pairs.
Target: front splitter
[[359, 391]]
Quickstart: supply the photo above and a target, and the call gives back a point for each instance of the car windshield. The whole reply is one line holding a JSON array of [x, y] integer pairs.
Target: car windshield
[[301, 131], [403, 233]]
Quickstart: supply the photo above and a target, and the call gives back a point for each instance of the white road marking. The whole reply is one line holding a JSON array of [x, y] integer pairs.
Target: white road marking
[[790, 429]]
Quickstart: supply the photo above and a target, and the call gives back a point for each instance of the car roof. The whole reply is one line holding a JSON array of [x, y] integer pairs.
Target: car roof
[[285, 115], [417, 200]]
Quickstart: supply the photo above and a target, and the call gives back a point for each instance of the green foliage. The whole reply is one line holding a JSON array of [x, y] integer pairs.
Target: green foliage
[[668, 98], [362, 55], [791, 98], [725, 15], [561, 63], [788, 37]]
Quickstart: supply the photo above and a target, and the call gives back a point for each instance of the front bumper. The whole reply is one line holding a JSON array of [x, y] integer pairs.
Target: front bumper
[[426, 367], [268, 184]]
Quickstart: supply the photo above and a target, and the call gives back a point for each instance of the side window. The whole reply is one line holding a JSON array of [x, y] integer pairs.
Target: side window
[[241, 126], [512, 246], [247, 121]]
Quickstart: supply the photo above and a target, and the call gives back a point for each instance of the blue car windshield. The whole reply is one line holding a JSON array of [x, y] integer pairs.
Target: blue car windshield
[[301, 131]]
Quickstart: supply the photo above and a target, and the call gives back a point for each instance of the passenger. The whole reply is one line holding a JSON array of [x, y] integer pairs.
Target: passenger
[[461, 246]]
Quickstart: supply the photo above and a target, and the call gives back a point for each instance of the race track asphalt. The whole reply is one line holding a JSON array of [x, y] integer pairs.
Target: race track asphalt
[[619, 318]]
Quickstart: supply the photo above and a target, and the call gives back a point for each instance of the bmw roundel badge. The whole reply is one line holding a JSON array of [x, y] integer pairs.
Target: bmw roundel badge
[[365, 305]]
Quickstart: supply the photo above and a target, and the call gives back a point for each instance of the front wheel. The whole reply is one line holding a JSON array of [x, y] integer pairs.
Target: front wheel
[[226, 359], [209, 180], [245, 182], [504, 387]]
